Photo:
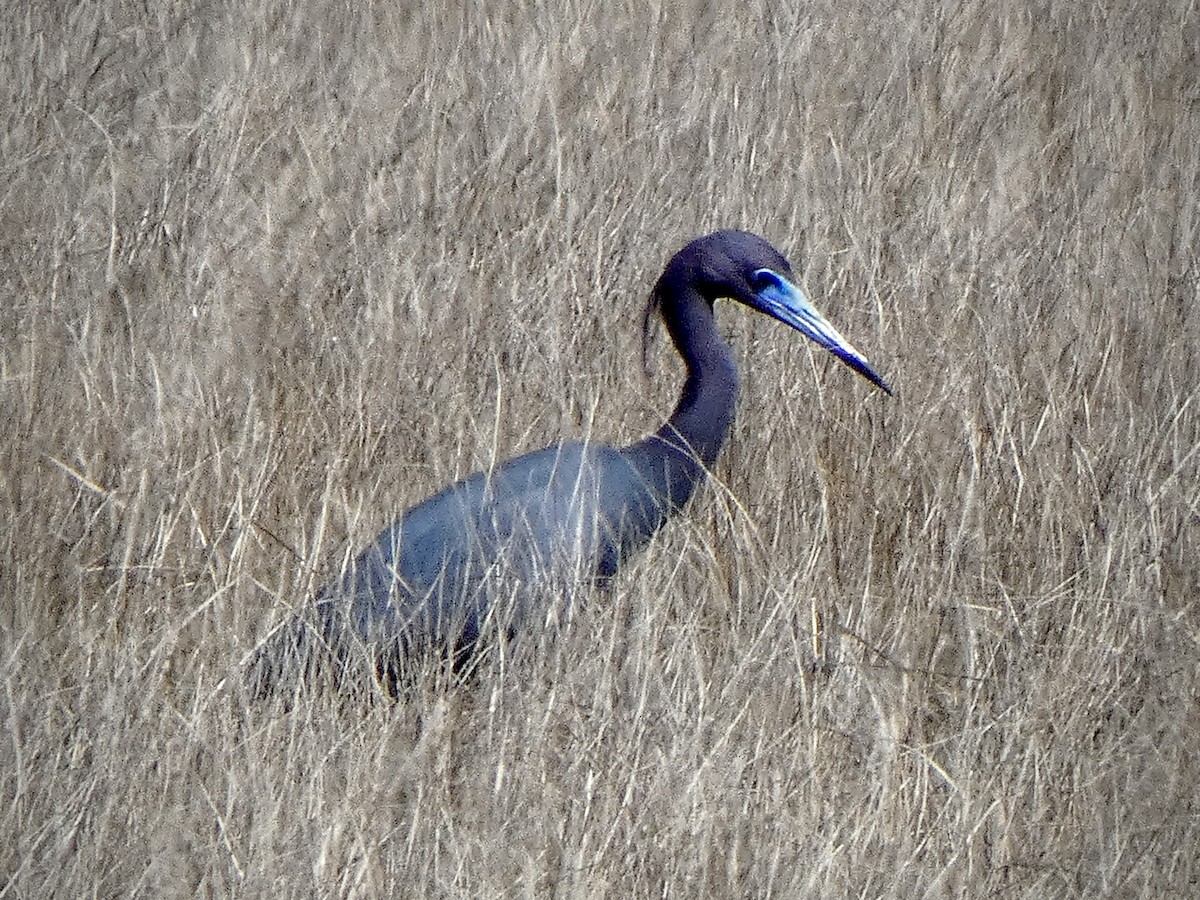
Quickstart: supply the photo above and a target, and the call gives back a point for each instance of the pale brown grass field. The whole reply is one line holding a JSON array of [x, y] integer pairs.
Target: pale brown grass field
[[273, 272]]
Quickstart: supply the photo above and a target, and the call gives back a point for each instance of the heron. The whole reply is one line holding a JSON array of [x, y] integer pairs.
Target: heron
[[474, 558]]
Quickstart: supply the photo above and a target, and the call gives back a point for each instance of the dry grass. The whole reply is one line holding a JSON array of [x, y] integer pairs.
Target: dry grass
[[272, 272]]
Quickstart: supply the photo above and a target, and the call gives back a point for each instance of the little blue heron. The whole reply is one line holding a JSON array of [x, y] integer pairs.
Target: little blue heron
[[555, 518]]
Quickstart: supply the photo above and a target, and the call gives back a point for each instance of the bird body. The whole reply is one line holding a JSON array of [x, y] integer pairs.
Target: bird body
[[538, 516], [556, 518]]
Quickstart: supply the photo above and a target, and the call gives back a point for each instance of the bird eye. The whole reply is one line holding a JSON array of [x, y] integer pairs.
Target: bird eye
[[763, 279]]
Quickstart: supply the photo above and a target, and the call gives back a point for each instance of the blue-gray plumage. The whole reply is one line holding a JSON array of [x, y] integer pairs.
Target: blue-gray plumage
[[478, 555]]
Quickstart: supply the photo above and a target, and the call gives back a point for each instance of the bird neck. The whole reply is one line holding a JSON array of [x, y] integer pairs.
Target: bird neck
[[675, 458], [702, 417]]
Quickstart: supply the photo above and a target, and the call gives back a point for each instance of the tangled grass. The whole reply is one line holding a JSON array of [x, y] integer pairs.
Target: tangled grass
[[274, 272]]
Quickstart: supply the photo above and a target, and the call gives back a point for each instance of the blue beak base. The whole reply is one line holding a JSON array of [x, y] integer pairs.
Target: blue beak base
[[782, 300]]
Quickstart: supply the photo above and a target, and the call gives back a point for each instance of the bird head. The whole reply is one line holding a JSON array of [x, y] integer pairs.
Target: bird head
[[744, 267]]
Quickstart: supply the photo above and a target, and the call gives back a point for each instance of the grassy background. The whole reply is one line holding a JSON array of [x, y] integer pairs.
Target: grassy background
[[272, 272]]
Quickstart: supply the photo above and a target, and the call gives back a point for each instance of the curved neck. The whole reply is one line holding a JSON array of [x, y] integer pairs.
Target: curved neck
[[675, 458], [704, 412]]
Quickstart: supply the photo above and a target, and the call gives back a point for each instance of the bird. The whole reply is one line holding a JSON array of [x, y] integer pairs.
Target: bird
[[479, 557]]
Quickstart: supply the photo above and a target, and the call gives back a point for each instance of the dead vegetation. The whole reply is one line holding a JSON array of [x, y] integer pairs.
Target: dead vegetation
[[273, 273]]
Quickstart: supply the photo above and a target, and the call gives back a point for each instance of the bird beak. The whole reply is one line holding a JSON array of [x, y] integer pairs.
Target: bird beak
[[782, 300]]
